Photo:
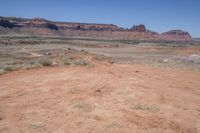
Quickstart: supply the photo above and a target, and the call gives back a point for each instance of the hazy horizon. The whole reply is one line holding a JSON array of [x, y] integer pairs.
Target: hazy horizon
[[159, 16]]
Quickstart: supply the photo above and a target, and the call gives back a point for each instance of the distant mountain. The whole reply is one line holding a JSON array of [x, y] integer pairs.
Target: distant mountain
[[196, 39], [41, 26]]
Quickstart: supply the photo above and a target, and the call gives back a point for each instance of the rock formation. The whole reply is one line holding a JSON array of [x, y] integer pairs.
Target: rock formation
[[176, 34], [40, 26], [139, 28]]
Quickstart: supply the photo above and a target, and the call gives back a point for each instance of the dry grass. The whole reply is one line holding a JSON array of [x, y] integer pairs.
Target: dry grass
[[147, 107]]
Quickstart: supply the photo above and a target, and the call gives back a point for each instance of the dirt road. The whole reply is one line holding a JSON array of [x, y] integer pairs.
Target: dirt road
[[103, 99]]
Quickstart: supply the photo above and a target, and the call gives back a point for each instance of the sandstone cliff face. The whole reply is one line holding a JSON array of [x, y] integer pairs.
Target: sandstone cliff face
[[40, 26], [82, 26], [177, 35], [40, 23]]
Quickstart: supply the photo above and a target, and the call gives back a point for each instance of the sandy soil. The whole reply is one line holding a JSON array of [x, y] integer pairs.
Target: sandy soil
[[103, 99]]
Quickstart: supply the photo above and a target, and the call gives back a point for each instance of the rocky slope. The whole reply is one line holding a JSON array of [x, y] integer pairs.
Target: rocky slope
[[40, 26]]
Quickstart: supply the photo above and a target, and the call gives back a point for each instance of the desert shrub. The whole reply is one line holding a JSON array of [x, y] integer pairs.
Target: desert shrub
[[6, 69], [82, 50], [67, 60], [32, 62], [100, 58], [84, 106], [81, 62], [146, 107], [45, 62]]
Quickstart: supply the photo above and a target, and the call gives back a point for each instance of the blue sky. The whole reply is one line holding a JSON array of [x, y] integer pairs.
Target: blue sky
[[157, 15]]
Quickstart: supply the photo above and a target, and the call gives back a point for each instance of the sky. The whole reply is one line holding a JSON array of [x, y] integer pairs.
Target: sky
[[156, 15]]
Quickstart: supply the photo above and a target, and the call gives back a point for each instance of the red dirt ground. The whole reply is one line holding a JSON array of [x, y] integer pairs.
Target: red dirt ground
[[106, 98]]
